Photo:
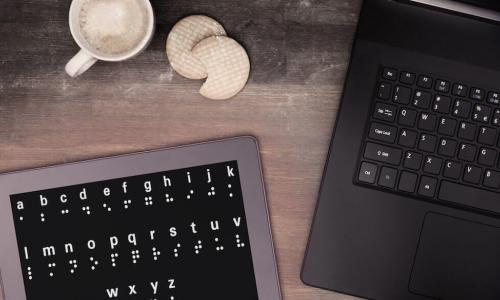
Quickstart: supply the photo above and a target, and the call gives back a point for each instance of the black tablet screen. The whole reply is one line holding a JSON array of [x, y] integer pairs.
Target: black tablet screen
[[178, 234]]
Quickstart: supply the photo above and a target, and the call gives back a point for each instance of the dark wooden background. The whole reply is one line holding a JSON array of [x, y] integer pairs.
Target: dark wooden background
[[299, 51]]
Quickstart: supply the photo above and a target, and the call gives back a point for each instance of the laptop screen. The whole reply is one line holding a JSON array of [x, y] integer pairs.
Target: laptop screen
[[488, 4]]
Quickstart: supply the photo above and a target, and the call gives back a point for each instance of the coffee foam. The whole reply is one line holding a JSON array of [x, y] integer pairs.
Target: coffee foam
[[113, 26]]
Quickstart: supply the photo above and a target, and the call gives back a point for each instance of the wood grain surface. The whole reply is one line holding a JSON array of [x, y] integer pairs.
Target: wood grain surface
[[299, 51]]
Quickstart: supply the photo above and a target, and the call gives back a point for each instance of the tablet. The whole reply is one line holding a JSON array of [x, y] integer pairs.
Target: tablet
[[189, 222]]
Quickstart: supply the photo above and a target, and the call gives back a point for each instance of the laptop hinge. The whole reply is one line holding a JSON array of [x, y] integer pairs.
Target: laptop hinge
[[462, 8]]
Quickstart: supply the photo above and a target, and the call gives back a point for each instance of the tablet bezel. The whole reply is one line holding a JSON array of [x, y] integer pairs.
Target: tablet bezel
[[242, 149]]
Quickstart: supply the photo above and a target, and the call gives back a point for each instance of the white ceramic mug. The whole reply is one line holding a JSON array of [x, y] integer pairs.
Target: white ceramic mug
[[88, 56]]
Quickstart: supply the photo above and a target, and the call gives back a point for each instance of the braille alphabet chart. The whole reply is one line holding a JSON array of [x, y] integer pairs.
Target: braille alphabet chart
[[179, 234]]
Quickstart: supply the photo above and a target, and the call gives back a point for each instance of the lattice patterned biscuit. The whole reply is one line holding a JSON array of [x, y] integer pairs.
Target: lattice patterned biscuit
[[227, 64], [184, 36]]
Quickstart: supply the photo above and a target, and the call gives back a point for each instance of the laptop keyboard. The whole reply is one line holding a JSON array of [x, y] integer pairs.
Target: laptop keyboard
[[433, 138]]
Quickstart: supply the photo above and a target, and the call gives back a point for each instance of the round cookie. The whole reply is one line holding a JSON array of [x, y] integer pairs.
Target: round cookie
[[227, 65], [183, 37]]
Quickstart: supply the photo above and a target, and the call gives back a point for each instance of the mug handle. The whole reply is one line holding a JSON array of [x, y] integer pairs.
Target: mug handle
[[80, 63]]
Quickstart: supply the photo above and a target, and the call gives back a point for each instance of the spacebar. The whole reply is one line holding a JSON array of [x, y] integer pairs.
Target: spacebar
[[469, 196]]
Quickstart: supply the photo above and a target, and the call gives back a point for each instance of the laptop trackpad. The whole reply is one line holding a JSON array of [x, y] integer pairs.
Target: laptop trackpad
[[457, 259]]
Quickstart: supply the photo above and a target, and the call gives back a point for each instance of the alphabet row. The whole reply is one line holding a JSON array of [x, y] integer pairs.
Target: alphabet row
[[135, 256], [152, 287], [148, 188], [149, 201], [132, 240]]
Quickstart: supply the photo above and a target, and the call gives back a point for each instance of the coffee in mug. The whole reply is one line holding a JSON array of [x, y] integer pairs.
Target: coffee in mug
[[113, 26], [110, 30]]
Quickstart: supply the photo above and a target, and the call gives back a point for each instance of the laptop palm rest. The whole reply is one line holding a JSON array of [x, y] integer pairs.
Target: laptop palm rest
[[457, 259]]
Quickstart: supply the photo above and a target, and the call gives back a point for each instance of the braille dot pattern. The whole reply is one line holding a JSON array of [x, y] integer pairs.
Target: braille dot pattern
[[105, 206], [114, 256], [220, 247], [168, 198], [176, 250], [94, 263], [127, 203], [239, 243], [74, 265], [52, 265], [135, 256], [198, 247], [156, 253]]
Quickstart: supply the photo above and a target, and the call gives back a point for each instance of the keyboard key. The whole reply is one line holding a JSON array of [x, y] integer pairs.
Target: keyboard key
[[402, 95], [388, 177], [496, 117], [413, 160], [452, 169], [407, 138], [472, 174], [383, 133], [432, 165], [477, 94], [384, 91], [390, 74], [442, 104], [462, 108], [447, 147], [491, 179], [427, 122], [469, 196], [424, 82], [447, 126], [368, 172], [427, 142], [487, 136], [487, 157], [383, 154], [407, 117], [407, 182], [422, 99], [442, 86], [427, 187], [467, 152], [407, 77], [459, 90], [467, 131], [494, 98], [481, 113], [385, 112]]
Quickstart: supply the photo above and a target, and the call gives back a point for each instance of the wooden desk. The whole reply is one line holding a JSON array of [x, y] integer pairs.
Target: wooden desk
[[299, 51]]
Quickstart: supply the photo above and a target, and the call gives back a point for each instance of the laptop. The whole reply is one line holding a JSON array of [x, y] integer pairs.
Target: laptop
[[409, 206]]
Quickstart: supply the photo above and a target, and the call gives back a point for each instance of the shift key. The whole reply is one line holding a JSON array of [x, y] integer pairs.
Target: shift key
[[383, 154]]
